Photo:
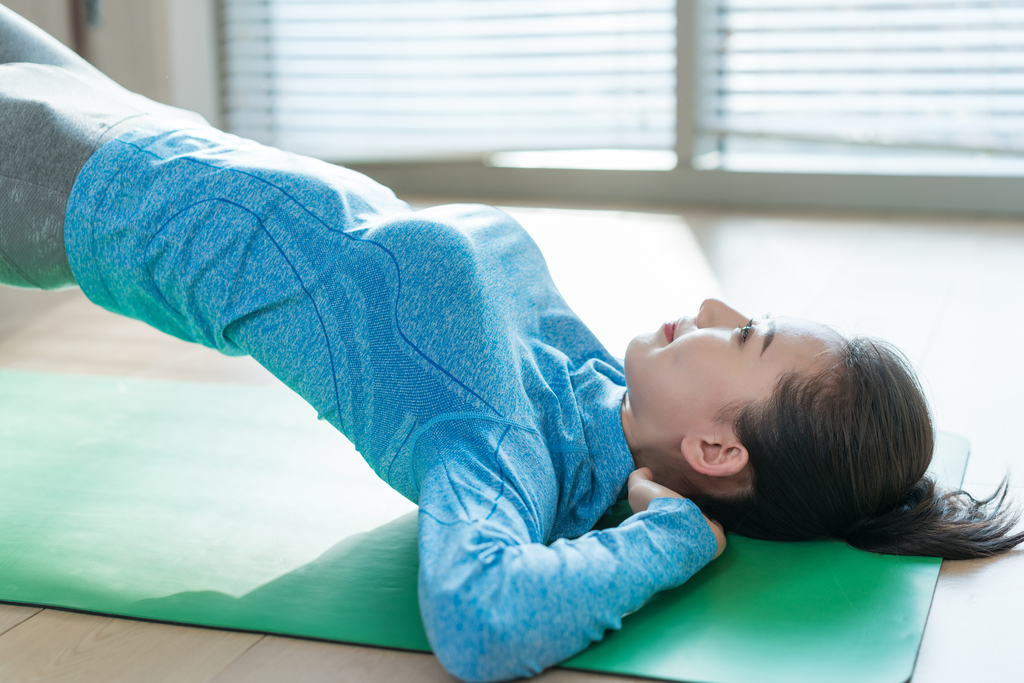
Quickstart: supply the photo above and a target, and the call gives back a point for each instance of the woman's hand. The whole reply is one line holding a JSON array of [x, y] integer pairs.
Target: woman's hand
[[643, 489]]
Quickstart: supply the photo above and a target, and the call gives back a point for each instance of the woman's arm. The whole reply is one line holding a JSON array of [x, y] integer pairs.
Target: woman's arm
[[496, 604]]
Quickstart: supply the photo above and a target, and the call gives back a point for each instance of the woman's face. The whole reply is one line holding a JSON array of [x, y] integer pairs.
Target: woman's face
[[682, 376]]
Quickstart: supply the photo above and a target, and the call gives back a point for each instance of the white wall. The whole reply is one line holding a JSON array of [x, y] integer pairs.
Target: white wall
[[163, 49], [127, 40], [193, 57], [53, 16]]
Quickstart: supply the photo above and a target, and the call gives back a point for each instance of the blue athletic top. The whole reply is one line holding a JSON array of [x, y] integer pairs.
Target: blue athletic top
[[435, 340]]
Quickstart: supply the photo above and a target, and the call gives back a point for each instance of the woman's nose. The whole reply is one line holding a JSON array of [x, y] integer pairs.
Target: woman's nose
[[715, 313]]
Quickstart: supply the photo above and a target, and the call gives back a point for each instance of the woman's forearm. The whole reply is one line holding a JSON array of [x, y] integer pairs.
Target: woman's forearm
[[495, 610]]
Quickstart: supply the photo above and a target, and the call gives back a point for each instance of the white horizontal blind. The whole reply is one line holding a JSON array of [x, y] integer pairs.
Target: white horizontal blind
[[358, 80], [927, 74]]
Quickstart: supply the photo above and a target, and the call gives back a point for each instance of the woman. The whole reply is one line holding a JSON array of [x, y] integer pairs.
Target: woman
[[436, 341]]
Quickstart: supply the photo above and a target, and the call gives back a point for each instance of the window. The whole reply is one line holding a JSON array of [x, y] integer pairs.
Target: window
[[863, 104], [869, 86], [370, 80]]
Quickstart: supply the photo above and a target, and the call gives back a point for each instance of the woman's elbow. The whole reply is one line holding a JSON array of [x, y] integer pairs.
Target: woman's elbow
[[478, 644]]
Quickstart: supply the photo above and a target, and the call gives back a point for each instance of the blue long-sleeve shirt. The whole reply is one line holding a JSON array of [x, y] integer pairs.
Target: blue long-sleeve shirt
[[435, 340]]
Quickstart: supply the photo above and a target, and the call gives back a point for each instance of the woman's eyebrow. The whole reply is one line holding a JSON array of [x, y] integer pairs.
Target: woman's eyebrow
[[768, 336]]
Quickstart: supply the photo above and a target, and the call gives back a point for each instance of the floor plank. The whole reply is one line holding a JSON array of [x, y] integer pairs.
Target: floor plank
[[12, 615], [277, 660], [973, 366], [888, 279], [977, 619], [19, 307], [77, 336], [622, 273], [57, 646]]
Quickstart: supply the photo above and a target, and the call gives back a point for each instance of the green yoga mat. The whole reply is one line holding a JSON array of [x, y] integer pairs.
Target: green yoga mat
[[233, 507]]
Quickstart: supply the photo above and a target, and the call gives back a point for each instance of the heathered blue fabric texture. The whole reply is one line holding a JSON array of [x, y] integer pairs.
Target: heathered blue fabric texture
[[435, 340]]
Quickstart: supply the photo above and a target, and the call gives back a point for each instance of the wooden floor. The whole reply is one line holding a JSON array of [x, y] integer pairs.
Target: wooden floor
[[950, 293]]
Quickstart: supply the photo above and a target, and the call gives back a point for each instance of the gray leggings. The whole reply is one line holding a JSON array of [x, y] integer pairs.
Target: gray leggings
[[55, 111]]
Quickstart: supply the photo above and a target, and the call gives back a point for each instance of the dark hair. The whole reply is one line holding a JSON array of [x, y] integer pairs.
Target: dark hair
[[843, 453]]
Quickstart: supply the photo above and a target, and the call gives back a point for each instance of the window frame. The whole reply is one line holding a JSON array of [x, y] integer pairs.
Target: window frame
[[685, 186]]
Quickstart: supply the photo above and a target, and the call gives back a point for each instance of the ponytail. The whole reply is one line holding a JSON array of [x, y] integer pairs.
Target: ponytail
[[952, 525]]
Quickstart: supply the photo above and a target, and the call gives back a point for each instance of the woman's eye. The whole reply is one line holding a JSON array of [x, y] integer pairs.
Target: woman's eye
[[745, 331]]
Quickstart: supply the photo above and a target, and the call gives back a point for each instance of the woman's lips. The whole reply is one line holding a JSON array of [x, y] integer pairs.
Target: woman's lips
[[670, 331]]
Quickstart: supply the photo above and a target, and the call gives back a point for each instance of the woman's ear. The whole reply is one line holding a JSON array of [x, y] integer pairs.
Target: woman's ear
[[721, 455]]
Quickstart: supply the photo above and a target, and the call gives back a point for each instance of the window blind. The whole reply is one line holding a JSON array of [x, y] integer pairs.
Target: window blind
[[364, 80], [911, 74]]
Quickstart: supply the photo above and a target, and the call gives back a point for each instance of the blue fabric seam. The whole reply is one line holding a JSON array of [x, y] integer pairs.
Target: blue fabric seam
[[387, 476], [447, 417], [458, 496], [423, 511], [159, 230], [501, 473], [312, 301]]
